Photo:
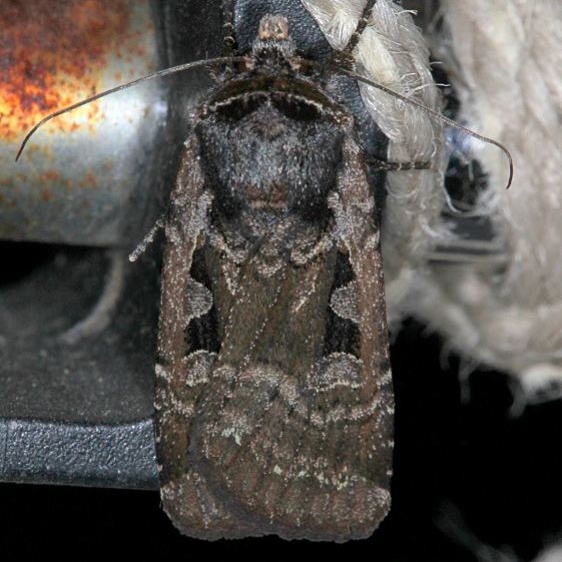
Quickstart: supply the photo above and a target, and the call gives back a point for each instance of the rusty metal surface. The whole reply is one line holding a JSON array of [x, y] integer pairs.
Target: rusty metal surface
[[77, 321], [80, 181]]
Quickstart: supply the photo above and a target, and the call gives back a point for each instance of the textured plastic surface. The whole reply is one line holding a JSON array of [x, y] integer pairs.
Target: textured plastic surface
[[77, 369], [116, 456]]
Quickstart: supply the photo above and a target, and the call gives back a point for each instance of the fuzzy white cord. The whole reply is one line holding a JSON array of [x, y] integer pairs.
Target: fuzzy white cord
[[509, 58], [393, 52]]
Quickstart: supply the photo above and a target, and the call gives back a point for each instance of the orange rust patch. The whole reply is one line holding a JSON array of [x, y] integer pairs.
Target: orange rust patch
[[47, 194], [52, 54], [89, 180], [50, 176]]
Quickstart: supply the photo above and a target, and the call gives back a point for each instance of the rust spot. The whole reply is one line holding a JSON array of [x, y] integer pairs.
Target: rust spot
[[50, 176], [8, 200], [89, 180], [47, 194], [52, 54]]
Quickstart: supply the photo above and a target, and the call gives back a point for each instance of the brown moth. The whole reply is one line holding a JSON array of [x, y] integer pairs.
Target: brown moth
[[274, 402]]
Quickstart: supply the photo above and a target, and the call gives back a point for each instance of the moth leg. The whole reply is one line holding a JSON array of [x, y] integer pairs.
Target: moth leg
[[361, 25], [344, 58], [230, 46], [378, 164], [147, 239]]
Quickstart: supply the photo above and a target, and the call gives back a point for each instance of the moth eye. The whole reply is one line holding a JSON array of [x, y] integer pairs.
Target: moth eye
[[296, 109]]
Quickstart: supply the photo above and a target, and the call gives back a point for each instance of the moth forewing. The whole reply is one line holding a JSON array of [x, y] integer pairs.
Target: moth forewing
[[172, 410], [274, 403]]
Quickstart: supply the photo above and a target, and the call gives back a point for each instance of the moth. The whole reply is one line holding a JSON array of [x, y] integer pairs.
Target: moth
[[274, 394], [273, 402]]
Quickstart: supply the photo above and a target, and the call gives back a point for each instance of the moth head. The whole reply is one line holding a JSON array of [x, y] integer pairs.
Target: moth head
[[273, 28], [273, 45]]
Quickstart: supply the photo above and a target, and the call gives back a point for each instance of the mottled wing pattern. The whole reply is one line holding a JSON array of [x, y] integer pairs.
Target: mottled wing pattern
[[271, 435], [181, 376]]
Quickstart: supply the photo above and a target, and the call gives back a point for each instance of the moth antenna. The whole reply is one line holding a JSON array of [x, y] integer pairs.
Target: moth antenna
[[455, 210], [436, 115], [158, 74]]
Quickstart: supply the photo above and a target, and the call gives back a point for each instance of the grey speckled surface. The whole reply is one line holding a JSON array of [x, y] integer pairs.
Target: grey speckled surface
[[78, 412], [112, 456]]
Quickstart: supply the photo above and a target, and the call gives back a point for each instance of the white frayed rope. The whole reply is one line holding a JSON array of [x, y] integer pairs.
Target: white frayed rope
[[508, 58]]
